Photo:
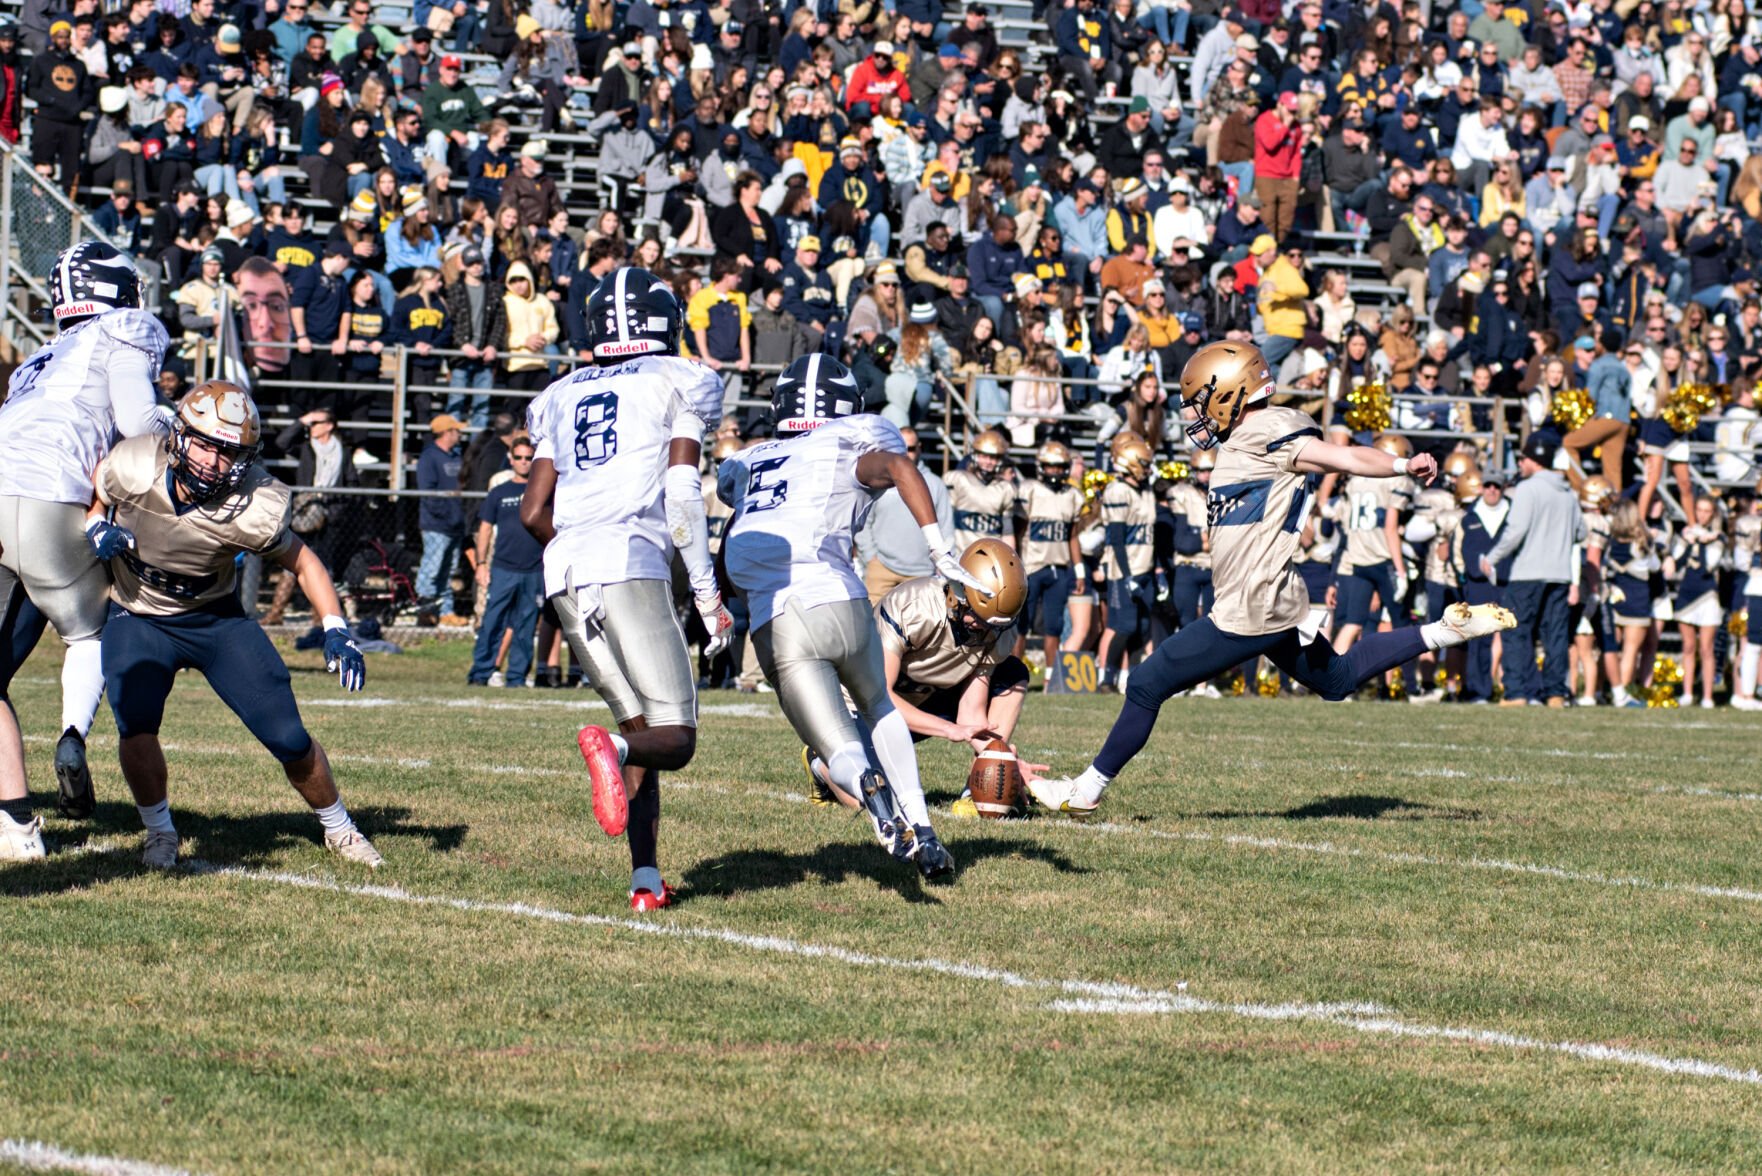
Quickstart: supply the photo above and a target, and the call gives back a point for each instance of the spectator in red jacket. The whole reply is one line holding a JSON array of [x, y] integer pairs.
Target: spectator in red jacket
[[1278, 161], [875, 77]]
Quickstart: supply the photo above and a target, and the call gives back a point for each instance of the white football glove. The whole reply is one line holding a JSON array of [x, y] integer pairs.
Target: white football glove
[[947, 566], [718, 623], [1401, 583]]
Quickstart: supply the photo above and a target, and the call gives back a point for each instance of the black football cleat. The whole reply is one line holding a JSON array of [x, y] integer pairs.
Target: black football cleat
[[76, 801], [935, 863]]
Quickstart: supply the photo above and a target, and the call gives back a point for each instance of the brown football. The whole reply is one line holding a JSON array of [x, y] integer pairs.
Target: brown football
[[996, 782]]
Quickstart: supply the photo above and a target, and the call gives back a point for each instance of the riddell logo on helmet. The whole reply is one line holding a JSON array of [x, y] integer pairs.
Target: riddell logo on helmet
[[72, 309], [638, 347]]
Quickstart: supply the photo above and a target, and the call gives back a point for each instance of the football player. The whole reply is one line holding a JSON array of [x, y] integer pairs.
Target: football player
[[64, 407], [983, 493], [798, 502], [1051, 557], [615, 490], [1258, 502], [1192, 557], [1128, 512], [1431, 531], [1372, 563], [946, 654], [170, 520]]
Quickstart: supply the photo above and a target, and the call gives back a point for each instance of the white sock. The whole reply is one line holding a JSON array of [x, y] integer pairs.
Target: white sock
[[622, 746], [899, 760], [82, 684], [1089, 787], [1618, 694], [646, 878], [157, 817], [846, 767], [1438, 635], [1747, 661], [334, 817]]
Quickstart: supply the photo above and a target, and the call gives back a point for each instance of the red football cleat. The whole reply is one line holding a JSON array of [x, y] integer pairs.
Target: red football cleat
[[611, 807], [648, 900]]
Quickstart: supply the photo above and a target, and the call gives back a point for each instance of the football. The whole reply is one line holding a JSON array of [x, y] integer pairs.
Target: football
[[996, 782]]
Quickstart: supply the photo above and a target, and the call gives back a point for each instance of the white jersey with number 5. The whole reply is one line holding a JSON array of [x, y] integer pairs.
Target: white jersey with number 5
[[797, 508], [69, 402], [607, 431]]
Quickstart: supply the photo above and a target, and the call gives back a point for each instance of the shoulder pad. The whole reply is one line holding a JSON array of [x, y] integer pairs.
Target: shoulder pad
[[264, 517], [136, 328], [870, 433], [697, 389], [132, 467]]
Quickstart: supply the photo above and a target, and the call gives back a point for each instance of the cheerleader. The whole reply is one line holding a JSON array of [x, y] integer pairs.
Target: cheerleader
[[1627, 567], [1591, 641], [1695, 557], [1746, 546]]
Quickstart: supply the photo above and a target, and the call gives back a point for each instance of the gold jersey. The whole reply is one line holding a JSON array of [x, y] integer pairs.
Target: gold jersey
[[1439, 561], [914, 624], [183, 555], [1366, 502], [1258, 503], [1136, 508], [1437, 504], [1051, 513], [981, 509], [1187, 503]]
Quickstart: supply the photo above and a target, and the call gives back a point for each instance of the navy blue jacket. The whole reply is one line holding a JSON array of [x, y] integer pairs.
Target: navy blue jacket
[[437, 469]]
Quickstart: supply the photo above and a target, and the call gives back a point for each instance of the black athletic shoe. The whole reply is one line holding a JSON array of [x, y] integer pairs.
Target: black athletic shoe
[[935, 863], [76, 801]]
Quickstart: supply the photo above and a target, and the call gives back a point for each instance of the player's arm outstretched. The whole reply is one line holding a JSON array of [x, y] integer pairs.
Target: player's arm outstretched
[[883, 470], [1325, 457], [131, 368]]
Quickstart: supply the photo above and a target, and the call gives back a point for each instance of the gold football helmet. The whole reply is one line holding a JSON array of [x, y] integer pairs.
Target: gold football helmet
[[1393, 444], [221, 417], [1122, 439], [1218, 384], [1053, 456], [1596, 491], [996, 565], [990, 443], [1468, 486], [1459, 463], [1134, 459]]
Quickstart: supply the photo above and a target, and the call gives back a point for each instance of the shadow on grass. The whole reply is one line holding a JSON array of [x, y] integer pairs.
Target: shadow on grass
[[747, 870], [1354, 807], [252, 842]]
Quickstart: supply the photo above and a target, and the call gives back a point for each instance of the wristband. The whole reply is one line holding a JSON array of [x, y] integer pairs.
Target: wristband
[[933, 539], [333, 622], [1401, 465], [93, 525], [1081, 569]]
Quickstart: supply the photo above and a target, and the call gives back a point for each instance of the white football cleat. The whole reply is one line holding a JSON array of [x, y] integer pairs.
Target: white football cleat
[[160, 851], [1465, 622], [1060, 796], [21, 842], [352, 846]]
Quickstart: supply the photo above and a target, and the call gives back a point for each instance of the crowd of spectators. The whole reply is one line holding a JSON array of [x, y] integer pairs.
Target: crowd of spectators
[[1477, 206]]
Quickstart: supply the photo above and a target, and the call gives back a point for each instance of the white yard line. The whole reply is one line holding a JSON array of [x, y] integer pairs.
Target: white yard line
[[1075, 996], [33, 1156]]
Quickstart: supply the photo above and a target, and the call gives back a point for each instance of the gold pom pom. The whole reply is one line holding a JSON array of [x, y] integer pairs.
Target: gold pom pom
[[1666, 677], [1266, 683], [1369, 408], [1572, 408], [1687, 405], [1093, 483], [1172, 471], [1738, 623]]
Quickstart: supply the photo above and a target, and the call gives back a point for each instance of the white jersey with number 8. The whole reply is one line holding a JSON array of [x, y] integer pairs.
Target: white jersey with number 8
[[797, 507], [607, 431]]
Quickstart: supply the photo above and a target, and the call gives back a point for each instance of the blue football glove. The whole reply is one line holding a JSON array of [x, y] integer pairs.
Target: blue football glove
[[109, 540], [342, 655]]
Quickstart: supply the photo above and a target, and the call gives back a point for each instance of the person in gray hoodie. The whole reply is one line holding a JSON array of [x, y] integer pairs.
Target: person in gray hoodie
[[1541, 534]]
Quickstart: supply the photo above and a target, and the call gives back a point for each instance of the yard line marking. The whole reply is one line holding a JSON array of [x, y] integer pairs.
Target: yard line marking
[[1348, 1018], [1087, 996], [1496, 865], [1683, 790], [35, 1156], [737, 710]]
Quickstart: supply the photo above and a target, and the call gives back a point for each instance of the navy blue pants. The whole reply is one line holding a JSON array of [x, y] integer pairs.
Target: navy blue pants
[[1356, 589], [1477, 668], [1049, 590], [21, 625], [1128, 618], [1192, 589], [143, 654], [1201, 651], [514, 601], [1542, 616]]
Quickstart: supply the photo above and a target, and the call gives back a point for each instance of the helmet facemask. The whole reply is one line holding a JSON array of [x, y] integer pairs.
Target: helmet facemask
[[208, 487]]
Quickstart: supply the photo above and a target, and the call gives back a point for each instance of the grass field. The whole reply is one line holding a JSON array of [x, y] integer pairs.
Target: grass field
[[1302, 938]]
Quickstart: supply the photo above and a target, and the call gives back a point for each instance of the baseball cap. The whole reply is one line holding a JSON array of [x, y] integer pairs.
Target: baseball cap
[[1539, 448], [1140, 105], [1700, 104], [1556, 163], [949, 50], [423, 36], [810, 243], [959, 270], [212, 254], [1639, 122], [452, 61], [882, 49], [471, 256], [535, 149], [1191, 320], [1247, 41], [1288, 100], [338, 248], [942, 182], [1589, 290], [445, 421], [1494, 477], [1263, 243], [631, 49]]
